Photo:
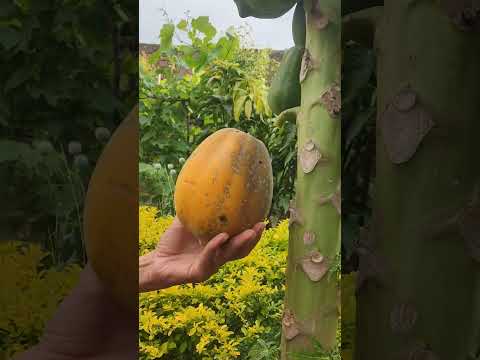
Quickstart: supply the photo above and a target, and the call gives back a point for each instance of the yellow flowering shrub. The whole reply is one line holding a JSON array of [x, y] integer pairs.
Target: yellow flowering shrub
[[221, 318], [26, 275]]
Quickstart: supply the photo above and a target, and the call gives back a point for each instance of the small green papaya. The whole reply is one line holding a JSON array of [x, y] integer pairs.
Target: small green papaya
[[264, 9], [299, 25], [285, 89]]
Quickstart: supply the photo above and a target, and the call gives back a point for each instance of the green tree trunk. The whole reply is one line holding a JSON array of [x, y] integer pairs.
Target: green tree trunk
[[419, 278], [312, 294]]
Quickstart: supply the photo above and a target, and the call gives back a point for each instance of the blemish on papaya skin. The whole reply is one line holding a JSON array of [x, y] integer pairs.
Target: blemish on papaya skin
[[189, 182], [223, 219]]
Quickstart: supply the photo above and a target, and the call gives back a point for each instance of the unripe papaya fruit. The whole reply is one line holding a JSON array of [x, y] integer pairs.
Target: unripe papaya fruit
[[111, 214], [299, 25], [264, 9], [225, 185], [285, 91]]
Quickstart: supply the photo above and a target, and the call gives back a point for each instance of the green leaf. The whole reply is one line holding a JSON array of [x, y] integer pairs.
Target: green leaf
[[248, 109], [166, 36], [226, 47], [203, 25], [238, 106], [182, 25], [144, 120], [183, 347], [143, 167]]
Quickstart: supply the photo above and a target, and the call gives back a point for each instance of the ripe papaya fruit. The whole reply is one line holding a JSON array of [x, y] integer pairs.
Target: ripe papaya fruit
[[111, 214], [264, 9], [225, 185], [285, 91], [299, 26]]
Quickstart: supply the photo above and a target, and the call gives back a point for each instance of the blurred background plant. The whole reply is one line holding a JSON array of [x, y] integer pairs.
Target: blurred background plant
[[37, 276], [55, 120]]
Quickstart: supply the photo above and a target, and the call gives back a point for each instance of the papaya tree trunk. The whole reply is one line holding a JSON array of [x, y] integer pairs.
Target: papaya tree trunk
[[311, 310], [419, 269]]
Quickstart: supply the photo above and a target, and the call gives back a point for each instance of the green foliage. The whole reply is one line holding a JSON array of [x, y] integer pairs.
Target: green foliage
[[183, 102], [265, 350], [59, 181], [235, 314], [285, 91], [57, 74], [28, 272], [157, 185]]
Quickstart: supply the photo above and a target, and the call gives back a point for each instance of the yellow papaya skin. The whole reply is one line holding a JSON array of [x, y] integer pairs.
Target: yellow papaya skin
[[111, 214], [225, 185]]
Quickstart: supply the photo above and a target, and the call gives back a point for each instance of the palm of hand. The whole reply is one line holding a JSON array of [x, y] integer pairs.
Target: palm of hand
[[180, 258]]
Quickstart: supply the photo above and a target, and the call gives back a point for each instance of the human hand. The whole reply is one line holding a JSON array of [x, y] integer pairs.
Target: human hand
[[179, 257]]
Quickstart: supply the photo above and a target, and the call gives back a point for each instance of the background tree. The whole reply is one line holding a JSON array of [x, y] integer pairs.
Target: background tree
[[419, 257]]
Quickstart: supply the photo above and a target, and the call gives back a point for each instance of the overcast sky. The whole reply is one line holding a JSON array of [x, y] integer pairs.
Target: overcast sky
[[275, 34]]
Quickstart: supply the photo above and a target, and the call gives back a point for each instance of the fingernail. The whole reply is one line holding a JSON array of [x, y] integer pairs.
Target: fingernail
[[225, 236]]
